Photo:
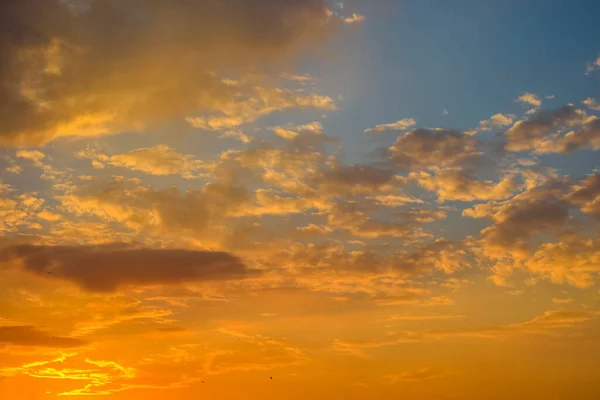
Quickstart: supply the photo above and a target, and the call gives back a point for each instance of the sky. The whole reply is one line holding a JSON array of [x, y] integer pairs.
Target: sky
[[299, 199]]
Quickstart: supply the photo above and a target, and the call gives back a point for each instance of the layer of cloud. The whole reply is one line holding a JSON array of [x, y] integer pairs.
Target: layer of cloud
[[591, 103], [452, 184], [586, 195], [105, 268], [575, 262], [421, 375], [157, 160], [400, 125], [435, 148], [549, 324], [354, 19], [495, 121], [257, 103], [515, 221], [31, 336], [593, 66], [544, 128], [292, 132], [529, 98], [113, 66]]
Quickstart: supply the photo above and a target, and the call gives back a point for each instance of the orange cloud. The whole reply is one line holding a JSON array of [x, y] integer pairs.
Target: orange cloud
[[157, 160], [451, 184], [31, 336]]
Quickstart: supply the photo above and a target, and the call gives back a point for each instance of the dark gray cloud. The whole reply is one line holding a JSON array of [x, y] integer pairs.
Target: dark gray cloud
[[105, 268]]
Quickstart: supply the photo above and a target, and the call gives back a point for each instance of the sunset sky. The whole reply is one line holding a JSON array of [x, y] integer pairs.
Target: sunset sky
[[299, 199]]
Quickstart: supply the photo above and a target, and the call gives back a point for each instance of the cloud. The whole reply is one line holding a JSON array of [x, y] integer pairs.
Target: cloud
[[357, 178], [49, 216], [157, 160], [400, 125], [327, 266], [158, 211], [452, 184], [354, 19], [586, 137], [258, 353], [114, 66], [312, 230], [34, 156], [591, 103], [31, 336], [422, 317], [568, 300], [297, 78], [441, 255], [103, 312], [391, 200], [236, 134], [421, 375], [106, 268], [586, 195], [539, 210], [546, 324], [292, 132], [496, 121], [544, 127], [289, 167], [529, 98], [593, 66], [435, 148], [18, 212], [574, 262], [259, 102], [100, 377], [352, 218]]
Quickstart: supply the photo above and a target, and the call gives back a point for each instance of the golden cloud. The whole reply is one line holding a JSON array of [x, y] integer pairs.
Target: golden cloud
[[111, 66]]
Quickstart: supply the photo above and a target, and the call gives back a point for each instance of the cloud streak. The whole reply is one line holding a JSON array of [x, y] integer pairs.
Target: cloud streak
[[106, 268]]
